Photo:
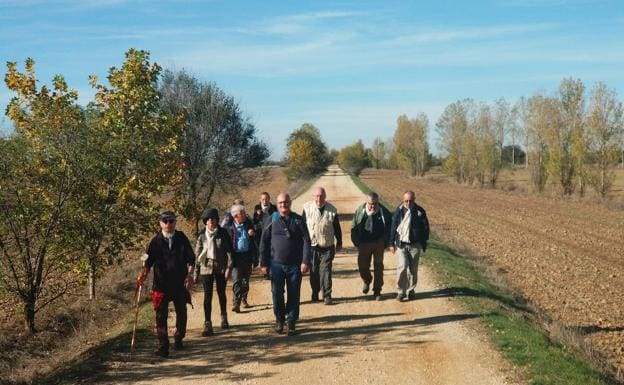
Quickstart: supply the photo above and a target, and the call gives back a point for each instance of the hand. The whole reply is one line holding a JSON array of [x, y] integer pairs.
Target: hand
[[188, 283], [251, 232], [264, 270], [228, 274], [392, 249], [304, 268]]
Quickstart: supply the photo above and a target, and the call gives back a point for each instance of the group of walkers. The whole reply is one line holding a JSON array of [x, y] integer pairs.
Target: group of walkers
[[285, 245]]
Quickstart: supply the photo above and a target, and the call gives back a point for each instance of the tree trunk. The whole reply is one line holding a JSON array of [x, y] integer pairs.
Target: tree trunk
[[91, 280], [29, 314]]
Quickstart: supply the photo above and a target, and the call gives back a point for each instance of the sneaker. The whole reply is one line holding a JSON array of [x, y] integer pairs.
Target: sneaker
[[400, 297], [207, 332], [162, 352], [279, 327], [236, 308], [291, 328], [365, 288], [377, 296], [315, 297], [328, 301], [411, 295], [224, 323], [244, 304], [178, 345]]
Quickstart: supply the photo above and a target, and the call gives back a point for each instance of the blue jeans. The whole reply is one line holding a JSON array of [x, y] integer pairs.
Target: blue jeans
[[291, 276]]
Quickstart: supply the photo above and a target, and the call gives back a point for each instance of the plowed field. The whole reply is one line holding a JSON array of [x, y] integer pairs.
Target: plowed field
[[565, 257]]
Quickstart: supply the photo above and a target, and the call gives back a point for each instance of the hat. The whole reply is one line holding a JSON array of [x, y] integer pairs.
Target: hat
[[167, 215], [210, 214]]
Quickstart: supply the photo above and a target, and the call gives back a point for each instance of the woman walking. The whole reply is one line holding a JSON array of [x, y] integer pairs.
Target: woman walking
[[214, 264]]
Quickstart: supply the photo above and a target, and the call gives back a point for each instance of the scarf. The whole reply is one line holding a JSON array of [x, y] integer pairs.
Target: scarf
[[208, 251], [368, 225]]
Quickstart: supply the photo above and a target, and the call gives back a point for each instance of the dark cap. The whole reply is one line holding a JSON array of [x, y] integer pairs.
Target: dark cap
[[210, 214], [167, 215]]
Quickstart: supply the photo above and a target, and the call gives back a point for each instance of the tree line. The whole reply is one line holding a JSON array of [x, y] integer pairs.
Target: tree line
[[82, 183], [569, 139]]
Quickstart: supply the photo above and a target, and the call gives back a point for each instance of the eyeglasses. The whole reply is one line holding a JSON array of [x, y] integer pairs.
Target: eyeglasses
[[168, 221]]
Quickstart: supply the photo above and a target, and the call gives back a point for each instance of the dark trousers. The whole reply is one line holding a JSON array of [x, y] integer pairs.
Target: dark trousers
[[375, 251], [162, 312], [289, 275], [208, 280], [241, 272], [321, 272]]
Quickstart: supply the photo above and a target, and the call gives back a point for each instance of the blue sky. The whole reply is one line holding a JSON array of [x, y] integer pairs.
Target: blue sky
[[348, 67]]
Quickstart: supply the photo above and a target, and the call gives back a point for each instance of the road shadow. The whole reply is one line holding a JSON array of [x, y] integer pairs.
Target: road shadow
[[469, 292], [317, 338]]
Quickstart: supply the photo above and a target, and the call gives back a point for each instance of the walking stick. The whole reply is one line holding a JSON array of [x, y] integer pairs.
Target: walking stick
[[137, 294]]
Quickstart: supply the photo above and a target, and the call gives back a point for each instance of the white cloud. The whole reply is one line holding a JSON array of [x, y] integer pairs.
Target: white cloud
[[296, 24]]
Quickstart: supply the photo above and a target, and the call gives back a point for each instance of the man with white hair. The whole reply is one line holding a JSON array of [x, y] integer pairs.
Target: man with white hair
[[321, 218], [410, 233], [245, 255]]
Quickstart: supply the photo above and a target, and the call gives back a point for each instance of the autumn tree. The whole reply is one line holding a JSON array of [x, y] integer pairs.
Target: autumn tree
[[452, 127], [604, 130], [354, 158], [410, 143], [379, 153], [299, 163], [218, 142], [41, 171], [538, 115]]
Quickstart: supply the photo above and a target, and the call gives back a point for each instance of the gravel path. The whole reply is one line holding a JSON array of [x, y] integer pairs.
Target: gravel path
[[355, 341]]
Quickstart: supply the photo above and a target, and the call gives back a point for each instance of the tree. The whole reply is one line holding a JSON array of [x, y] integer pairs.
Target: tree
[[379, 153], [573, 137], [452, 127], [538, 110], [354, 158], [300, 165], [217, 144], [410, 143], [604, 130], [40, 174]]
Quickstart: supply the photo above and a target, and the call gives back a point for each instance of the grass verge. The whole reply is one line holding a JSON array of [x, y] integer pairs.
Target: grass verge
[[511, 325]]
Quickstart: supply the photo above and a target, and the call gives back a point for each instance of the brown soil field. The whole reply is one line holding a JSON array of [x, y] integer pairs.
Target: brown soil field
[[565, 257]]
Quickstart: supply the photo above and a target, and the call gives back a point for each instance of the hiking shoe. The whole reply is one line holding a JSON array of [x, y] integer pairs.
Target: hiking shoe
[[207, 332], [279, 327], [160, 352], [244, 304], [178, 345], [315, 297], [411, 295], [291, 328], [377, 296], [365, 288], [224, 323], [236, 308], [400, 297], [328, 301]]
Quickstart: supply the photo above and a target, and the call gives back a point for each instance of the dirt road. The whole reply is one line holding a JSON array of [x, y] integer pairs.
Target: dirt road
[[355, 341]]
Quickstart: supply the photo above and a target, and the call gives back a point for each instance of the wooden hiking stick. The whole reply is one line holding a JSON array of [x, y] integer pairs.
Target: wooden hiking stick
[[137, 294]]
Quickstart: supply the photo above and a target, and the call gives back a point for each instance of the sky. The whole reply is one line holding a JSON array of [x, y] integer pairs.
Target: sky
[[348, 67]]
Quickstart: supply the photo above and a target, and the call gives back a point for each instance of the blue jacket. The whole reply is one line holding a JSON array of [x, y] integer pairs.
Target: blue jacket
[[419, 226], [285, 241]]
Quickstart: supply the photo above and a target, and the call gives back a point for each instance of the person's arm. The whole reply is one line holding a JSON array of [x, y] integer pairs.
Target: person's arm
[[265, 247], [396, 220], [337, 232], [305, 261], [355, 236], [226, 243], [147, 264]]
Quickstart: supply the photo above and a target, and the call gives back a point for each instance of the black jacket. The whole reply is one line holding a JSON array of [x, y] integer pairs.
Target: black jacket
[[419, 226], [285, 241], [170, 266]]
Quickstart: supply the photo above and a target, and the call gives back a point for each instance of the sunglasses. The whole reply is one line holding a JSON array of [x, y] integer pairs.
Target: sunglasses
[[168, 221]]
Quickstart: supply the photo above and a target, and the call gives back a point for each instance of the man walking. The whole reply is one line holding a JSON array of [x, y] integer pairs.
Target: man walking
[[171, 255], [370, 233], [285, 248], [244, 254], [410, 232], [262, 216], [323, 224]]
